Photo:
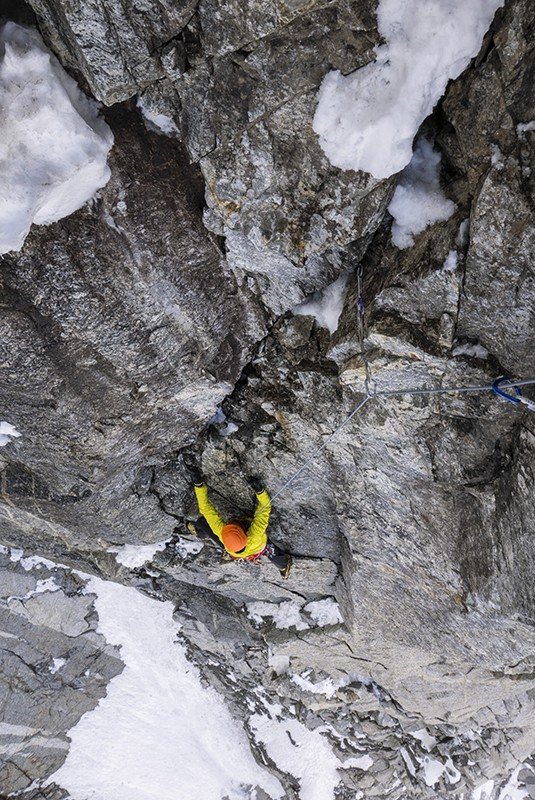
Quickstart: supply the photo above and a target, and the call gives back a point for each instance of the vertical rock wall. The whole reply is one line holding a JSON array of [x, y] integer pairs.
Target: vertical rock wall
[[126, 325]]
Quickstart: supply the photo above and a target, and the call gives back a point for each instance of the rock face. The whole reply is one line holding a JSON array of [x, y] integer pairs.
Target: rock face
[[49, 649], [99, 360], [128, 324]]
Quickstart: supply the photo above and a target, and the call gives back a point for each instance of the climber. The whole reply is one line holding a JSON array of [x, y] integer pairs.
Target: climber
[[240, 538]]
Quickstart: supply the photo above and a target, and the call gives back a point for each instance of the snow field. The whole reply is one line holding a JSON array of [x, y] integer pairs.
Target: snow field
[[158, 733], [367, 120], [53, 144]]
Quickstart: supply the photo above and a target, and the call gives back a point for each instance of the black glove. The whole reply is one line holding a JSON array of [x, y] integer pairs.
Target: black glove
[[255, 483], [192, 468], [196, 476]]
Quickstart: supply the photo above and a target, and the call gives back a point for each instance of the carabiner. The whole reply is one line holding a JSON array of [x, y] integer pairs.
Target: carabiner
[[501, 393]]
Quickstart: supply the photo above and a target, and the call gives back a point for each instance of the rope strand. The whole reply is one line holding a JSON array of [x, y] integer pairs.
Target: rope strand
[[320, 448], [453, 389], [394, 393]]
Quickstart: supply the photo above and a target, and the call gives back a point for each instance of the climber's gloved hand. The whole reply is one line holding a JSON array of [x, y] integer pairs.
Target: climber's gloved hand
[[255, 483], [196, 475], [192, 468]]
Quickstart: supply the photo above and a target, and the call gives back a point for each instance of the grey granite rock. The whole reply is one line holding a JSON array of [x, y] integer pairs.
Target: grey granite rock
[[54, 666], [127, 325], [116, 48], [135, 334]]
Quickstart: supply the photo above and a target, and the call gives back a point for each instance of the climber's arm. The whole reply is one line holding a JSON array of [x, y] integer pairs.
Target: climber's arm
[[209, 512], [258, 527]]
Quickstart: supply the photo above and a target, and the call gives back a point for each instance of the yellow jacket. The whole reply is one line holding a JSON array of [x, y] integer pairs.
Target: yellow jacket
[[256, 533]]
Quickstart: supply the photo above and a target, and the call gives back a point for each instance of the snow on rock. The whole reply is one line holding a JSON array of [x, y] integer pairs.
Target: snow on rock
[[285, 615], [53, 144], [158, 732], [418, 200], [434, 770], [471, 350], [513, 790], [188, 547], [220, 423], [326, 686], [304, 754], [135, 555], [154, 121], [326, 305], [7, 433], [451, 261], [324, 612], [524, 127], [367, 120], [427, 741], [483, 792]]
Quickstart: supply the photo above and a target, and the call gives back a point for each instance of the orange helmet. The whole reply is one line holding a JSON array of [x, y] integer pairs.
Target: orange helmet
[[234, 537]]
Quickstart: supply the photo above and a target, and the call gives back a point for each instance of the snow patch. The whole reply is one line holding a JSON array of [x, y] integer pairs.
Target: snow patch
[[427, 741], [483, 792], [7, 431], [513, 791], [523, 127], [463, 233], [31, 562], [496, 158], [284, 615], [367, 120], [411, 769], [324, 612], [418, 200], [135, 555], [472, 350], [219, 421], [434, 770], [326, 686], [451, 261], [45, 585], [363, 763], [158, 731], [305, 754], [187, 547], [161, 122], [57, 664], [53, 144], [279, 664], [326, 305]]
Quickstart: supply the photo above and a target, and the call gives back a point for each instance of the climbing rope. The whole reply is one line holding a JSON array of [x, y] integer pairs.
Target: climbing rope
[[361, 331], [315, 453], [453, 389], [497, 387]]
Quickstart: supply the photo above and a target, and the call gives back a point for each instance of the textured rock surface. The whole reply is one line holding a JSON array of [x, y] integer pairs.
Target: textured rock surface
[[116, 49], [240, 83], [49, 650], [122, 329], [126, 325]]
